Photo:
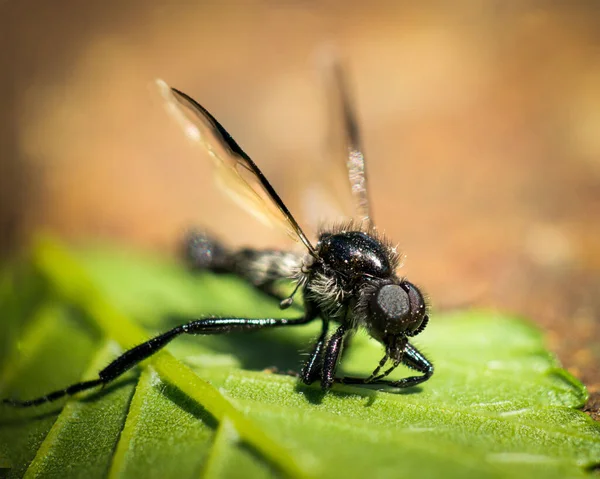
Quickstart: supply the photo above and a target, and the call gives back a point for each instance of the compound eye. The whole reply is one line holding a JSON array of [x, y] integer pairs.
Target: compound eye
[[393, 302], [398, 309], [417, 303]]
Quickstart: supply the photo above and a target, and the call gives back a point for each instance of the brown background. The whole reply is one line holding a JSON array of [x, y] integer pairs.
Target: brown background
[[481, 122]]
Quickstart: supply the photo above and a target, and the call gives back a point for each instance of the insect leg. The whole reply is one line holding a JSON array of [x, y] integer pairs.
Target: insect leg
[[413, 359], [332, 356], [387, 372], [375, 374], [132, 357], [310, 371]]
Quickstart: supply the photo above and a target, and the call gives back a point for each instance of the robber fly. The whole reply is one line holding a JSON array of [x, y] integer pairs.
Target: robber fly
[[348, 278]]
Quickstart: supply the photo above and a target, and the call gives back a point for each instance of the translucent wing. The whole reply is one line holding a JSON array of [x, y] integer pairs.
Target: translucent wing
[[329, 195], [355, 159], [235, 172]]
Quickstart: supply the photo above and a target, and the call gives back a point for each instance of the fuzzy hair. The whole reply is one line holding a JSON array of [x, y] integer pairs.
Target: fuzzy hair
[[327, 292], [362, 309]]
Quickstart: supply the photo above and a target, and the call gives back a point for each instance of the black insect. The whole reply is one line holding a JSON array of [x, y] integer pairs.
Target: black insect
[[348, 278]]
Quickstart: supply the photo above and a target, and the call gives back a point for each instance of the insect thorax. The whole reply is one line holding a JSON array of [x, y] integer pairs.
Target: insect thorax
[[349, 260]]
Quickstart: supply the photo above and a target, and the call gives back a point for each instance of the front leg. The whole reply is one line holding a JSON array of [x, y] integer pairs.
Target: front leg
[[310, 371], [411, 358], [332, 357]]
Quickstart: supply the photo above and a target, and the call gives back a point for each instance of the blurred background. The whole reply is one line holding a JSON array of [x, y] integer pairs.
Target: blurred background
[[480, 121]]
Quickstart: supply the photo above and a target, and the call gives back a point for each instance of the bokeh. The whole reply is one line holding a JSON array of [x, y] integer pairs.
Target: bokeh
[[480, 121]]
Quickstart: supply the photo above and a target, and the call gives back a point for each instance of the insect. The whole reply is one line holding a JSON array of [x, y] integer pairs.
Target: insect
[[348, 277]]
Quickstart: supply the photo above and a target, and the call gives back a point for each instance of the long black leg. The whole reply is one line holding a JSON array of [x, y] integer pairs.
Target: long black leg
[[310, 372], [413, 359], [143, 351], [332, 356]]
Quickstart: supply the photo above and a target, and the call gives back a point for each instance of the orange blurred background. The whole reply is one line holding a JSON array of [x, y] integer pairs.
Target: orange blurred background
[[480, 121]]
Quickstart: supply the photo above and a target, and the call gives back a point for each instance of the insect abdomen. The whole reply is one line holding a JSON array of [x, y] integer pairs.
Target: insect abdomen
[[259, 267], [204, 252], [264, 267]]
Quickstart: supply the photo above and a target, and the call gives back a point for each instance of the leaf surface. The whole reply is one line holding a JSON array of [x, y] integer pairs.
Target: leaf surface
[[498, 404]]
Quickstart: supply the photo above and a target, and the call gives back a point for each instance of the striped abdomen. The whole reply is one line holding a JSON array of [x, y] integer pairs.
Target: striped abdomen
[[259, 267]]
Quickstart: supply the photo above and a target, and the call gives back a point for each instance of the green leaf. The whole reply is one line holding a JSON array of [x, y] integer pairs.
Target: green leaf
[[498, 404]]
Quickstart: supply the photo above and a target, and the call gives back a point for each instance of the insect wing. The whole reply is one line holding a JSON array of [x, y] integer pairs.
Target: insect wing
[[346, 138], [339, 191], [235, 172]]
